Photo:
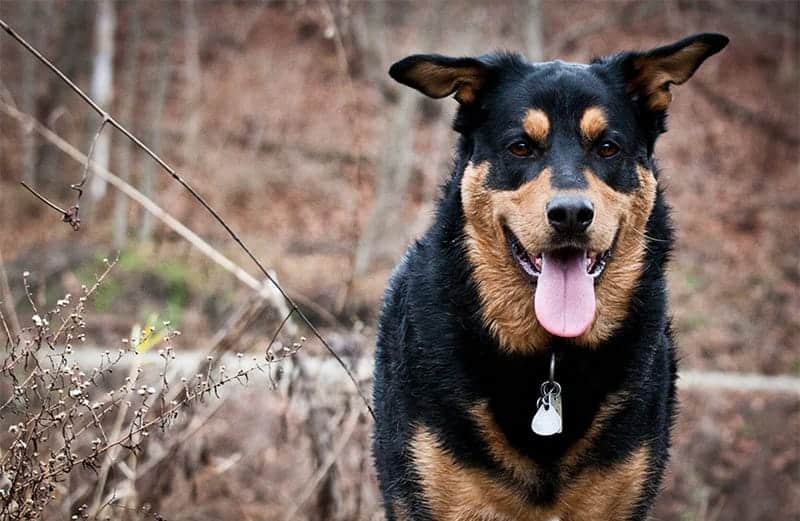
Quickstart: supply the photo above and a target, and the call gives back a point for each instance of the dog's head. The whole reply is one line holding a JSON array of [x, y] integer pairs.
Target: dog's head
[[559, 184]]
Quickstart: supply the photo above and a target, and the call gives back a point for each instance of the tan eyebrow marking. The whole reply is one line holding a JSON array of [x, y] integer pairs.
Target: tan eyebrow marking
[[536, 125], [593, 123]]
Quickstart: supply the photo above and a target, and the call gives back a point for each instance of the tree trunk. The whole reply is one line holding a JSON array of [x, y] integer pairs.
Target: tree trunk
[[129, 85], [394, 168], [392, 177], [102, 88], [163, 71], [533, 31], [72, 40], [193, 80]]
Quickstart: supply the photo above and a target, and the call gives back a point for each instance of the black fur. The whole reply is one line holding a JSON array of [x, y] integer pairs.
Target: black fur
[[435, 358]]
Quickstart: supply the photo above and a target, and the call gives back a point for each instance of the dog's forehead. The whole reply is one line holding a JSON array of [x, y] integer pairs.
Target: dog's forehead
[[562, 90]]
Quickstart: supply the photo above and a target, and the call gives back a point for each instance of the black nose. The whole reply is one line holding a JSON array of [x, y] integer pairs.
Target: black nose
[[570, 214]]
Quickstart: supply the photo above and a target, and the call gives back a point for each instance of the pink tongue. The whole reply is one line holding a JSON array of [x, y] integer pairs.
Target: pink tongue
[[564, 300]]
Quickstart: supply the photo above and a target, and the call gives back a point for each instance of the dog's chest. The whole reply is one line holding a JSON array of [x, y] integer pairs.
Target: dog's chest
[[455, 492]]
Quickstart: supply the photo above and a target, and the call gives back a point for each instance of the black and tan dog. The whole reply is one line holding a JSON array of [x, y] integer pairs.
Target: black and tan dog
[[549, 245]]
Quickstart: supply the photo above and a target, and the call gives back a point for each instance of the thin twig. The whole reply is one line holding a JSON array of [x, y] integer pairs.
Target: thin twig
[[79, 185], [7, 300], [196, 195], [44, 199], [9, 338], [196, 425], [68, 216], [111, 456], [207, 388]]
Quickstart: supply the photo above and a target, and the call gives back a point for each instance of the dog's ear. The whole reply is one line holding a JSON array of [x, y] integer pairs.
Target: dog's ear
[[439, 76], [649, 74]]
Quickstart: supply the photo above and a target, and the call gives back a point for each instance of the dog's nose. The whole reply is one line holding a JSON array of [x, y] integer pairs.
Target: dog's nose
[[570, 214]]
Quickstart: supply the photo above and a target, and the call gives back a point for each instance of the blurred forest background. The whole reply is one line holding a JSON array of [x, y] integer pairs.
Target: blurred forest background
[[282, 115]]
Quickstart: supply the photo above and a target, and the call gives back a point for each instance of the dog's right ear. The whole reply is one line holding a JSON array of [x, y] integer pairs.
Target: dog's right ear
[[439, 76], [650, 74]]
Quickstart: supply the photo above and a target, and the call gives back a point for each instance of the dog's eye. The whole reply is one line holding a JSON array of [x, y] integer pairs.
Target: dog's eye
[[607, 149], [521, 149]]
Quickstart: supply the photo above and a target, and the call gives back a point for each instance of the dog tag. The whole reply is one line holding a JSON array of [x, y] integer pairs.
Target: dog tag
[[547, 420]]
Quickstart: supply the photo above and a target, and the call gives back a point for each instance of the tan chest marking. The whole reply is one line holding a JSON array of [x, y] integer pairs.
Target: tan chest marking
[[521, 467], [454, 492]]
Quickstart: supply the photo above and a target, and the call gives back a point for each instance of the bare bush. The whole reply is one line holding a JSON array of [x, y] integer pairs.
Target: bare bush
[[62, 418]]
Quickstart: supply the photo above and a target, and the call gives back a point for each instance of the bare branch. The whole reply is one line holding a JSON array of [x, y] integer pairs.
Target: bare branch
[[78, 187], [195, 240], [196, 195], [7, 300], [44, 199]]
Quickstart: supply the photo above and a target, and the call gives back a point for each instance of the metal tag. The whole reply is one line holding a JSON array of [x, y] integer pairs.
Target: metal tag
[[547, 420]]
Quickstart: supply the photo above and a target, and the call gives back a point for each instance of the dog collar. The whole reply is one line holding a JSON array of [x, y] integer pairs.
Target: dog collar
[[548, 418]]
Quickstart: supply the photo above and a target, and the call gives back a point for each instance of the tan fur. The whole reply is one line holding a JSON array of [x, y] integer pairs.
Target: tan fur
[[522, 468], [656, 74], [454, 492], [506, 295], [593, 124], [442, 81], [627, 260], [536, 125], [608, 409]]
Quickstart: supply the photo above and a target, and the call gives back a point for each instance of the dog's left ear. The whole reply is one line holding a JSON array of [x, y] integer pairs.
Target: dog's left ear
[[649, 75]]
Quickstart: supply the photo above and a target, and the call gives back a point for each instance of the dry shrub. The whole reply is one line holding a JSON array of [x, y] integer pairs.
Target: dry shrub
[[65, 423]]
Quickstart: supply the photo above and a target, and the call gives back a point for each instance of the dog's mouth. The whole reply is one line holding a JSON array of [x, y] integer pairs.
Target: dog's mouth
[[531, 263], [564, 279]]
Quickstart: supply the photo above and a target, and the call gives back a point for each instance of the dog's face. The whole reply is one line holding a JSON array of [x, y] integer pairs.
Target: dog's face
[[558, 187]]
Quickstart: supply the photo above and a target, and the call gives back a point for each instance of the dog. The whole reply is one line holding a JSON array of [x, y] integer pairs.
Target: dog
[[525, 366]]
